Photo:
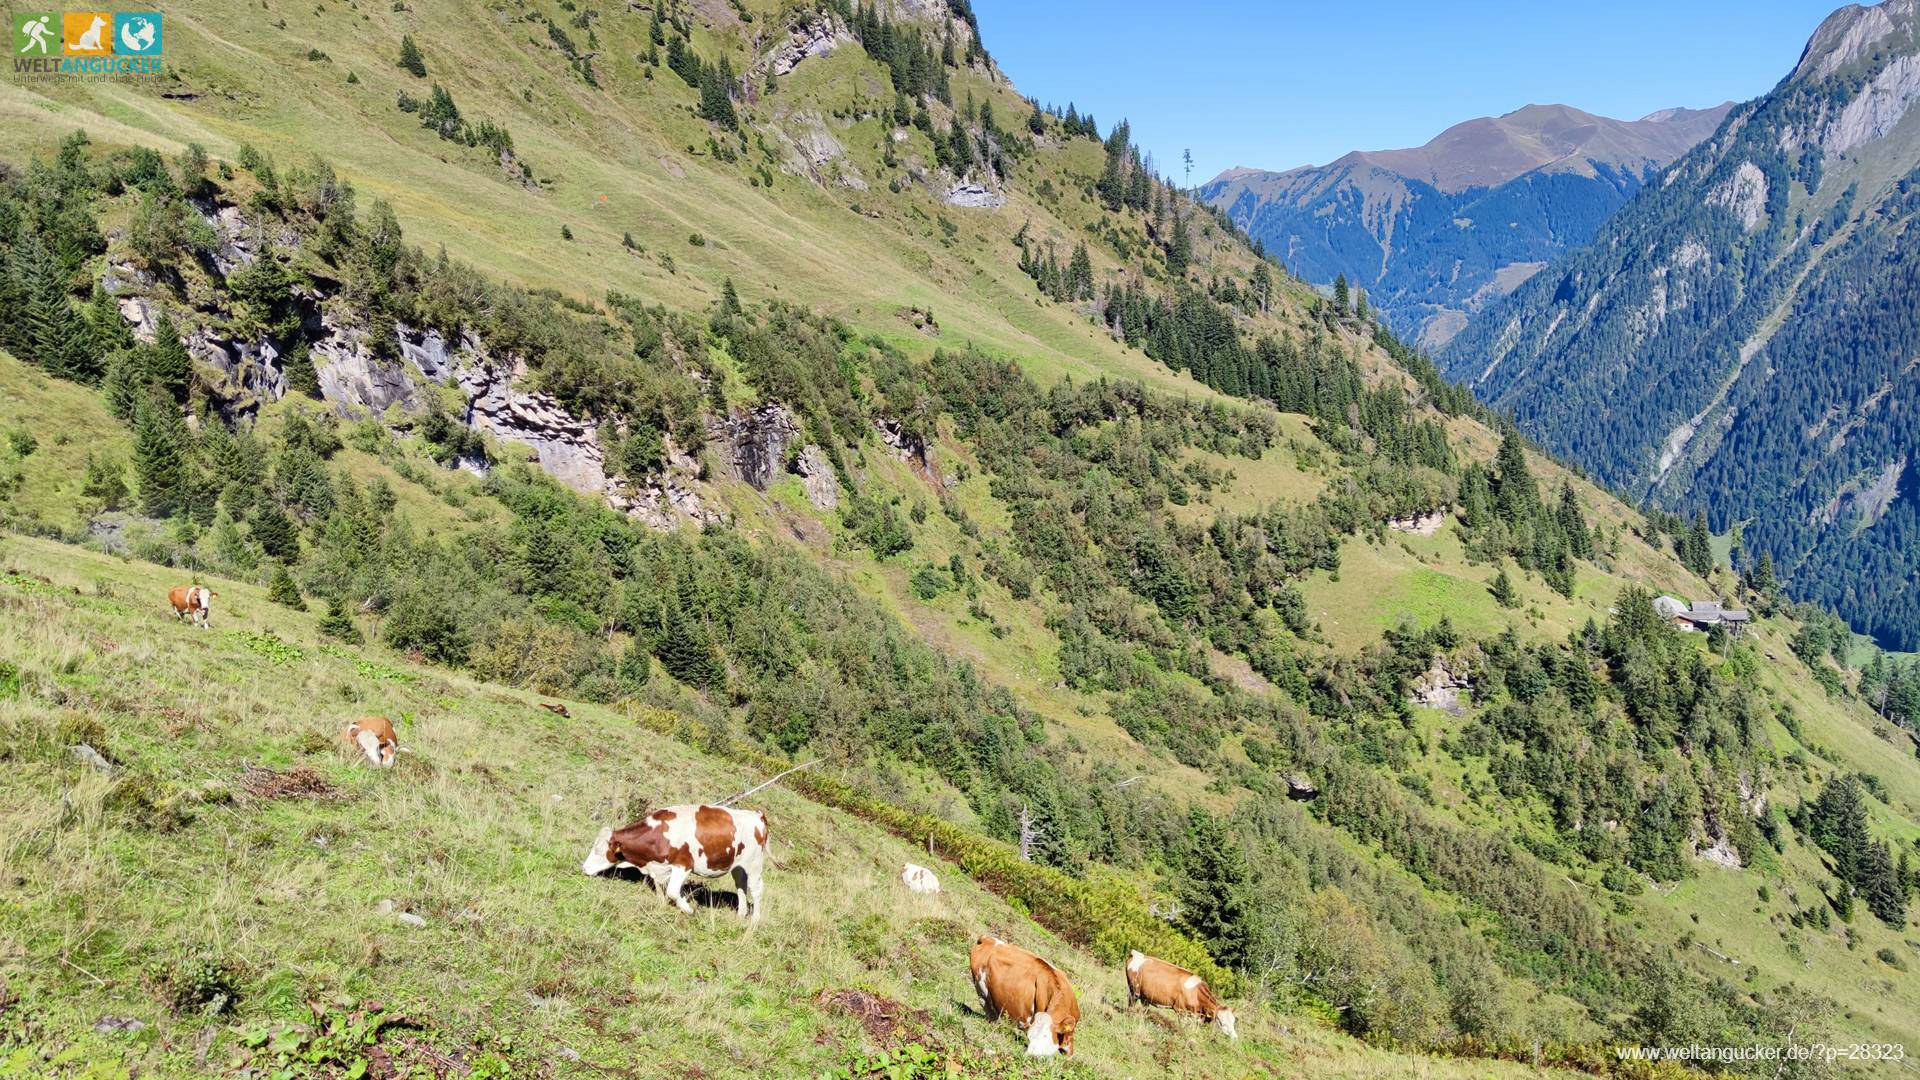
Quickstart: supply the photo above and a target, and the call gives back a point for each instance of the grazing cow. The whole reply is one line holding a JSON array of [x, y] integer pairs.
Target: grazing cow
[[193, 603], [675, 842], [374, 736], [1157, 982], [1018, 984], [919, 879]]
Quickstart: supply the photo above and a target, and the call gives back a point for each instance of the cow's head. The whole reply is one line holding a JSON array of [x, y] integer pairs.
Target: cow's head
[[602, 856], [1045, 1038], [1225, 1019]]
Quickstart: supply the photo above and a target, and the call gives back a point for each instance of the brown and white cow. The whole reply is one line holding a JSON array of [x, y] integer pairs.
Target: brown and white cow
[[374, 736], [193, 603], [1036, 995], [675, 842], [1157, 982]]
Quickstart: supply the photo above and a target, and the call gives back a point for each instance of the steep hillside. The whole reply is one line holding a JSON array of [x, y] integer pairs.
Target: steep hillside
[[1736, 340], [236, 891], [1436, 232], [1010, 484]]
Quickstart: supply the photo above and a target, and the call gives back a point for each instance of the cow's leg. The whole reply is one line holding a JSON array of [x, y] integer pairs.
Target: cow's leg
[[676, 881]]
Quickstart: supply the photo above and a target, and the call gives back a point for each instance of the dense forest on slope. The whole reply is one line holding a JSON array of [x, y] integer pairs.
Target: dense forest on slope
[[1736, 338], [1046, 610]]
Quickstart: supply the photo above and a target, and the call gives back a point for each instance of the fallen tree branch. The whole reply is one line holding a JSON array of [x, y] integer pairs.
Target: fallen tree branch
[[731, 799]]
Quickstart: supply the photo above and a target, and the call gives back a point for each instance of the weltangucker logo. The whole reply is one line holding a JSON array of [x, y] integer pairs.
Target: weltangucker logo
[[87, 43]]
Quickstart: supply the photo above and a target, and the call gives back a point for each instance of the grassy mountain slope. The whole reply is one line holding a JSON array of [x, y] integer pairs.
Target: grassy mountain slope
[[1098, 583], [234, 828]]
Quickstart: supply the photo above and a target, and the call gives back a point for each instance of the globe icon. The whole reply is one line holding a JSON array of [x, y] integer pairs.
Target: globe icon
[[137, 34]]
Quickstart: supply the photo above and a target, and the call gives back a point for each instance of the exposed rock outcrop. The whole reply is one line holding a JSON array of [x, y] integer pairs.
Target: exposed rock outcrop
[[815, 37], [909, 447], [974, 196], [1446, 685], [1420, 524], [353, 379], [817, 478], [253, 372], [565, 445], [756, 442], [1744, 194]]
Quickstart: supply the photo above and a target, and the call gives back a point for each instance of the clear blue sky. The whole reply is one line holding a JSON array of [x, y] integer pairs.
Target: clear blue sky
[[1283, 83]]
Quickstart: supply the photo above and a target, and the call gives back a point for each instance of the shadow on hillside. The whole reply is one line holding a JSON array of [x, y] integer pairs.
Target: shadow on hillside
[[698, 895]]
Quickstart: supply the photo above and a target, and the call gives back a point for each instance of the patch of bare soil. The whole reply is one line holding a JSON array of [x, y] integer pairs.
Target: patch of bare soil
[[299, 782], [887, 1022]]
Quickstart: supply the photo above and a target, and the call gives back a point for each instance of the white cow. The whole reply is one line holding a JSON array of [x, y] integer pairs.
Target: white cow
[[919, 879]]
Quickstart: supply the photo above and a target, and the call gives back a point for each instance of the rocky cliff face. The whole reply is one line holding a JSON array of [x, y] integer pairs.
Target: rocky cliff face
[[364, 373]]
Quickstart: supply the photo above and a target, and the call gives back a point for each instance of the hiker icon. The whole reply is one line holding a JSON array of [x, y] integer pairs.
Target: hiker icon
[[36, 33]]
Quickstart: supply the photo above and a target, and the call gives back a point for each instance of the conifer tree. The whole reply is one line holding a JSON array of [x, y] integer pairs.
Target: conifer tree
[[104, 483], [716, 94], [168, 365], [56, 338], [1574, 524], [1761, 579], [1214, 896], [1503, 591], [337, 623], [1340, 294], [959, 150], [1696, 546], [159, 456], [1515, 494], [1180, 248], [410, 59], [283, 590], [273, 530]]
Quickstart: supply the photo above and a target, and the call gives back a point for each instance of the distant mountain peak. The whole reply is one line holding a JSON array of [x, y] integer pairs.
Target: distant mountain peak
[[1850, 33], [1435, 232]]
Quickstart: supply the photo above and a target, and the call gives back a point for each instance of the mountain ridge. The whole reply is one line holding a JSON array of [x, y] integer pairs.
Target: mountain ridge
[[1433, 232]]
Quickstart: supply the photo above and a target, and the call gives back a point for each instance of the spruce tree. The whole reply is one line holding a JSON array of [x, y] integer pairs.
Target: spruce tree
[[1214, 896], [284, 591], [1515, 494], [410, 59], [337, 623], [1696, 546], [716, 94], [1180, 248], [1503, 591], [1340, 294], [273, 530], [159, 456], [1761, 580], [1573, 523], [57, 339], [168, 365], [104, 483]]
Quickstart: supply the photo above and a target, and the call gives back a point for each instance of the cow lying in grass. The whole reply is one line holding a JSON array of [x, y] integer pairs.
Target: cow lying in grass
[[193, 603], [1157, 982], [1035, 994], [374, 736], [676, 842]]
